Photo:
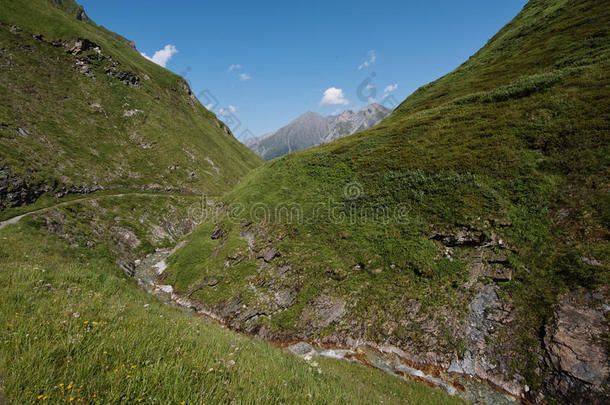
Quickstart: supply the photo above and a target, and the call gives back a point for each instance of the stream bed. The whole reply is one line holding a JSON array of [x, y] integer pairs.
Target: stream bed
[[471, 389]]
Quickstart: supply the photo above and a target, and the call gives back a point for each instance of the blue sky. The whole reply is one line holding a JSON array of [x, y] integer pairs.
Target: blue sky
[[267, 62]]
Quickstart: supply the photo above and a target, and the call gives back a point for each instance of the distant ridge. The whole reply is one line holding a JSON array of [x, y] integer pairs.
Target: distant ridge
[[312, 129]]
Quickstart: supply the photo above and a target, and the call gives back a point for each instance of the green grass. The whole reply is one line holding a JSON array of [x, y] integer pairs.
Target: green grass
[[75, 327], [71, 142], [505, 143]]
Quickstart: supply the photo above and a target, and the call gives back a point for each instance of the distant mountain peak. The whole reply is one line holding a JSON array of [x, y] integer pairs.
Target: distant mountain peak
[[312, 129]]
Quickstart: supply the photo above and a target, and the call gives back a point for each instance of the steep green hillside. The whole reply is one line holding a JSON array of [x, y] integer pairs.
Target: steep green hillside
[[75, 329], [81, 110], [451, 229]]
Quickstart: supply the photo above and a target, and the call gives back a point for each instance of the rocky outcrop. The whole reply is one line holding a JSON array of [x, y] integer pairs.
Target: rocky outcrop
[[88, 54], [16, 190], [489, 313], [321, 313], [489, 256], [576, 341], [82, 16]]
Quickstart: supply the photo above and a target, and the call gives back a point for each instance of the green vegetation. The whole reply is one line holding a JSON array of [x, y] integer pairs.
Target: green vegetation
[[75, 327], [343, 240], [65, 116], [513, 143]]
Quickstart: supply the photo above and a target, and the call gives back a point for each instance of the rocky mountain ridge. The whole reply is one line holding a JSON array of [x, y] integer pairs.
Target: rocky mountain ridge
[[312, 129]]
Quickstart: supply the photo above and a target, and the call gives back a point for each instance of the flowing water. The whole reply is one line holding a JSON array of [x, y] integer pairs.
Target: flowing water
[[471, 389]]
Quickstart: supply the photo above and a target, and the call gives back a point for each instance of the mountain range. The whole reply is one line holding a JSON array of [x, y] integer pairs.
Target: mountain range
[[312, 129]]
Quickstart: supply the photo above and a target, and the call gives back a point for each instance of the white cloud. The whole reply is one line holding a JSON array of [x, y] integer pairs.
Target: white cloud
[[244, 77], [237, 66], [162, 56], [370, 59], [390, 88], [333, 96], [370, 86], [231, 109], [209, 106]]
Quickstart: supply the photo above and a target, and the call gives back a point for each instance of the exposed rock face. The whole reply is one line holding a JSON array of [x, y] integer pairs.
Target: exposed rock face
[[576, 341], [85, 60], [15, 190], [126, 237], [322, 312], [82, 16], [82, 45], [268, 254], [488, 314]]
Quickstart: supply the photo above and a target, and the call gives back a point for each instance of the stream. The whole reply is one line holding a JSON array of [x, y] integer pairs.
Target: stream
[[471, 389]]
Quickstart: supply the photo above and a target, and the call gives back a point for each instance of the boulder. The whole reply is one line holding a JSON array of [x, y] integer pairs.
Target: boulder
[[268, 254], [302, 349]]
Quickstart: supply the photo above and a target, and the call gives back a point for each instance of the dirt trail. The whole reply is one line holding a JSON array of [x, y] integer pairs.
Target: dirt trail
[[17, 218]]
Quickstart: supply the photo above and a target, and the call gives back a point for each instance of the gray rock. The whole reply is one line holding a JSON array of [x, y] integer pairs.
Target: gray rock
[[302, 349], [82, 16], [282, 270], [285, 298], [216, 233], [82, 45], [16, 191], [268, 254], [126, 237], [591, 262], [322, 312], [575, 343], [459, 238]]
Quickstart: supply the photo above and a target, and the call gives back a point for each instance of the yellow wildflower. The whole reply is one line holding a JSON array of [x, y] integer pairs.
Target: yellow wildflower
[[86, 322], [45, 397], [61, 385], [69, 387], [39, 397], [71, 399], [133, 366]]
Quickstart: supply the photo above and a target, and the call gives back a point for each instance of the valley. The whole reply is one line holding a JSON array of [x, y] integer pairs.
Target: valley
[[454, 249]]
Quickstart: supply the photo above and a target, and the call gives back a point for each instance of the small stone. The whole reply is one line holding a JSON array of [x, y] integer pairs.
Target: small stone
[[303, 349]]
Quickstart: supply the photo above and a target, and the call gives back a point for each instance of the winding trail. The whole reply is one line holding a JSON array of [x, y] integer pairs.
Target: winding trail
[[87, 197]]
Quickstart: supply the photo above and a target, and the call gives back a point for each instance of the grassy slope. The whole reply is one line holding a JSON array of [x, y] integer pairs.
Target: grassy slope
[[509, 142], [71, 142], [74, 327]]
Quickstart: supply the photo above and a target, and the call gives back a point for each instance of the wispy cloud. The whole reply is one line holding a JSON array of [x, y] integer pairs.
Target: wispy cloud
[[333, 96], [162, 56], [390, 88], [244, 77], [231, 109], [371, 57]]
